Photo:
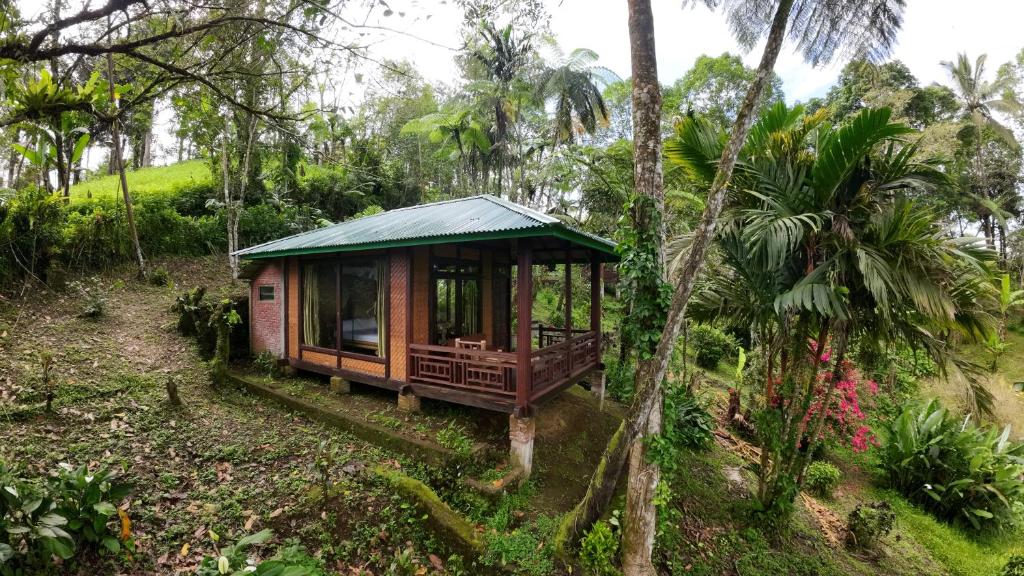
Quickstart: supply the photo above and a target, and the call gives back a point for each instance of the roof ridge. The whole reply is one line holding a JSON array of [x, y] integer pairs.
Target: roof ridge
[[520, 209]]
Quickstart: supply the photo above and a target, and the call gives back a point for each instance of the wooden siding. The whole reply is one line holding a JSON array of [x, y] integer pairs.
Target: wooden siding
[[293, 313], [398, 339], [327, 360], [356, 365], [421, 295]]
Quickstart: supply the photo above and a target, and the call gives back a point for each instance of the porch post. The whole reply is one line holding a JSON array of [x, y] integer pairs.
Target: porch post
[[524, 373], [597, 384], [568, 305], [521, 427]]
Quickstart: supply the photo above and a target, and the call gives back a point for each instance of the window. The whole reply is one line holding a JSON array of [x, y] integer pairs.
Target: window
[[320, 304], [266, 292], [363, 303], [457, 301]]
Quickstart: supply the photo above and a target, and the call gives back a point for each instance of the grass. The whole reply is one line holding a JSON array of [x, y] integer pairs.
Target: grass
[[146, 182], [1008, 406], [961, 554]]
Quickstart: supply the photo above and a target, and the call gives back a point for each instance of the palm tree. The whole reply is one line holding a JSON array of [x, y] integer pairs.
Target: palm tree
[[822, 241], [574, 85], [819, 28], [458, 132], [980, 98], [504, 55]]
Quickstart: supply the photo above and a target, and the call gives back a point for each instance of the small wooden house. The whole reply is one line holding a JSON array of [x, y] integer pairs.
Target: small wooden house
[[429, 301]]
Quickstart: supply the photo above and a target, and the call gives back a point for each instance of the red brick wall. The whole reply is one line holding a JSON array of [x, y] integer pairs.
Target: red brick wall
[[267, 316]]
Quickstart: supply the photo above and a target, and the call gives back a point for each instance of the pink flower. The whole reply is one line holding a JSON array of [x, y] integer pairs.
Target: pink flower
[[826, 355]]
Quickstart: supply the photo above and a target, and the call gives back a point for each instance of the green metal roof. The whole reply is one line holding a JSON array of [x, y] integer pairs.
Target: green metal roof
[[483, 217]]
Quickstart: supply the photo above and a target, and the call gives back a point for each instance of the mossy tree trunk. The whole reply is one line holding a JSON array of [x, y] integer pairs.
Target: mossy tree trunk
[[651, 374]]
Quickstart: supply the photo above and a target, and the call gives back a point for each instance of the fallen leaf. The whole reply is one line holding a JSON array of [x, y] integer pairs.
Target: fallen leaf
[[184, 550], [277, 513]]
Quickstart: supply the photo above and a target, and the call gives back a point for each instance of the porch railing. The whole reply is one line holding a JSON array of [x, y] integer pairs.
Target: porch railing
[[494, 373], [550, 335], [555, 364], [472, 370]]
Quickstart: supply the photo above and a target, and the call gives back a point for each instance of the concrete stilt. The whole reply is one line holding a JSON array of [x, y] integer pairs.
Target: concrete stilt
[[521, 432], [408, 402], [340, 386]]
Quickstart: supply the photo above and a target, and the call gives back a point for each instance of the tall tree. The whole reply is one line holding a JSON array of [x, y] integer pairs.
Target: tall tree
[[820, 29], [648, 206]]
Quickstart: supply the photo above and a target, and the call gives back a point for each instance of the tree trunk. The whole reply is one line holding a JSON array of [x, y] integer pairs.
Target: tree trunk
[[128, 208], [602, 484], [229, 207], [644, 475]]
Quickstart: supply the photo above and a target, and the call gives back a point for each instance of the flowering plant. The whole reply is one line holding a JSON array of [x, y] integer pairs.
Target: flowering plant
[[844, 417]]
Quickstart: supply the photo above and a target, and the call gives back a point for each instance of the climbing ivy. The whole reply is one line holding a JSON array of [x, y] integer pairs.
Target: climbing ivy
[[640, 273]]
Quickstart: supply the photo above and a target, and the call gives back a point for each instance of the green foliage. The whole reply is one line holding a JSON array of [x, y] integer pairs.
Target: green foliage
[[686, 423], [453, 437], [233, 560], [69, 512], [868, 523], [190, 179], [528, 549], [822, 478], [710, 345], [599, 550], [1014, 566], [266, 363], [640, 275], [92, 297], [30, 233], [160, 277], [955, 469], [619, 380]]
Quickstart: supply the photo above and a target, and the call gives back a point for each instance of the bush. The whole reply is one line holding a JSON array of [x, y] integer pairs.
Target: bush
[[599, 550], [618, 380], [30, 233], [956, 470], [822, 478], [687, 421], [1014, 566], [91, 296], [709, 345], [160, 277], [868, 523], [71, 511], [266, 363]]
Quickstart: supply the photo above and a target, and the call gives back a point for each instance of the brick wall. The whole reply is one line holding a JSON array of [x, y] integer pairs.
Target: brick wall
[[267, 316]]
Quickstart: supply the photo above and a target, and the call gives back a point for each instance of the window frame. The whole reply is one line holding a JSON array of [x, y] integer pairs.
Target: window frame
[[259, 293]]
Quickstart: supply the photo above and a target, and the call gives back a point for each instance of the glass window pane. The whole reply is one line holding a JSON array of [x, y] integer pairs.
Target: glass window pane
[[471, 324], [362, 306], [319, 297]]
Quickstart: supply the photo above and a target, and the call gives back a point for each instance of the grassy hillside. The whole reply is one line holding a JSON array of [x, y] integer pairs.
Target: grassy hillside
[[147, 182], [1008, 405]]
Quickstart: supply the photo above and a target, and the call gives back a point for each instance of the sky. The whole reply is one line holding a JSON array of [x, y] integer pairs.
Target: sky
[[933, 31]]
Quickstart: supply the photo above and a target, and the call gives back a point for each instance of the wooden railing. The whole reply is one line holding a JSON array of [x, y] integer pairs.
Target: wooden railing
[[471, 370], [554, 365], [494, 373], [548, 336]]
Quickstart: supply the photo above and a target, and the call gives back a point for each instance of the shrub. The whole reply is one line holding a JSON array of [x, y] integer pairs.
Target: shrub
[[266, 363], [599, 549], [529, 549], [618, 380], [868, 523], [160, 277], [453, 437], [233, 560], [710, 345], [1014, 566], [91, 296], [30, 233], [41, 520], [956, 470], [822, 478], [687, 421]]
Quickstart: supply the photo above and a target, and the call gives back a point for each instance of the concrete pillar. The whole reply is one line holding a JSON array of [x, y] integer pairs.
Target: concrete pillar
[[597, 383], [408, 402], [520, 434], [289, 371], [340, 386]]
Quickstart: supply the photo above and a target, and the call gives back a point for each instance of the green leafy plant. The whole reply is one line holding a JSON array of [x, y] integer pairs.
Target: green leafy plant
[[92, 297], [233, 560], [160, 277], [868, 523], [1014, 566], [710, 345], [89, 502], [955, 469], [599, 550], [455, 439], [528, 549], [821, 478], [266, 363]]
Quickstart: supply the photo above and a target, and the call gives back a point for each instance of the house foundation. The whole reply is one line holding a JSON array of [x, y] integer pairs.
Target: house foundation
[[408, 402], [521, 432], [340, 386]]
